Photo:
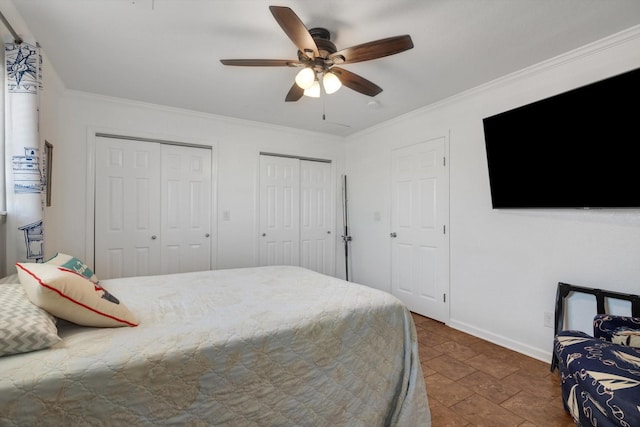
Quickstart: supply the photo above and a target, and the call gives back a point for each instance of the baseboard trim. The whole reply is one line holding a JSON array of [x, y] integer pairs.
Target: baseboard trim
[[536, 353]]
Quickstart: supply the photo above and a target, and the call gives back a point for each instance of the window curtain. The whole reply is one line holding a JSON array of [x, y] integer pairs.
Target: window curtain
[[24, 166]]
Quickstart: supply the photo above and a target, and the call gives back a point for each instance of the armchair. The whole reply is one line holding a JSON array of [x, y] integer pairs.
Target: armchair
[[600, 374]]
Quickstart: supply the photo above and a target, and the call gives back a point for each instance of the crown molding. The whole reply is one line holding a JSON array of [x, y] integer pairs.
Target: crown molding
[[629, 35], [196, 114]]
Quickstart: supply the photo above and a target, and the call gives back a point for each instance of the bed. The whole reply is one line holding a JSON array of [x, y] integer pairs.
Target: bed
[[265, 346]]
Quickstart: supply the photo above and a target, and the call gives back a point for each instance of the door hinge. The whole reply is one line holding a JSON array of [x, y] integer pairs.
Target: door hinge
[[444, 161], [444, 297], [444, 229]]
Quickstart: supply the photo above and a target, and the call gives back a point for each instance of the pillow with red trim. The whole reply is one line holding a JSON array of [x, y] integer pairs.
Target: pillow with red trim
[[73, 263], [72, 297]]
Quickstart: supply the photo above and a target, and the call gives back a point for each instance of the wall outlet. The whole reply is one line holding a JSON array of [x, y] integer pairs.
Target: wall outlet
[[548, 319]]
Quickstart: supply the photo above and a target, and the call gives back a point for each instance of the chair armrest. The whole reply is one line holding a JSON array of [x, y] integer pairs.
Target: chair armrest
[[605, 325]]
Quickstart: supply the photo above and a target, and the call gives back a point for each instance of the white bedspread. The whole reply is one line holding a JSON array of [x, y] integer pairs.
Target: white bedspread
[[268, 346]]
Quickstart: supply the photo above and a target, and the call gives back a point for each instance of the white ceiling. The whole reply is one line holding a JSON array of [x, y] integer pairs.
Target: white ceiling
[[167, 51]]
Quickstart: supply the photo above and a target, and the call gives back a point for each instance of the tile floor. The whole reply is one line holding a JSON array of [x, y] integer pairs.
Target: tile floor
[[472, 382]]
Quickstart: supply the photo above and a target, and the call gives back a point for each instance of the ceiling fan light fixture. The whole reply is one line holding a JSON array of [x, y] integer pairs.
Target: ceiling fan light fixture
[[318, 55], [305, 78], [331, 83], [314, 90]]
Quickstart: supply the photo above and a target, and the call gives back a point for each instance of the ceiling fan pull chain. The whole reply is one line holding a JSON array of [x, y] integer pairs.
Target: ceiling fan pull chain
[[324, 118]]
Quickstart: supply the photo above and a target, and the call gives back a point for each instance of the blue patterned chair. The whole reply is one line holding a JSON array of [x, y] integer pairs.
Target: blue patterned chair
[[600, 374]]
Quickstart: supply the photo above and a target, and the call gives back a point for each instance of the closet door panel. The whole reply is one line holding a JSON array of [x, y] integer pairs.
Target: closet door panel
[[279, 211], [126, 223], [186, 209], [316, 210]]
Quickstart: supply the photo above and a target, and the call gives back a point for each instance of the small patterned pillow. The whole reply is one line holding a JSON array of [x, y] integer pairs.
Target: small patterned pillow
[[23, 326], [73, 264], [626, 336], [71, 296]]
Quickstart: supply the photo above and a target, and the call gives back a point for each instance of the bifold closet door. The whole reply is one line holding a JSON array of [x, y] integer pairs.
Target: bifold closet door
[[152, 208], [317, 244], [127, 202], [279, 211], [296, 213]]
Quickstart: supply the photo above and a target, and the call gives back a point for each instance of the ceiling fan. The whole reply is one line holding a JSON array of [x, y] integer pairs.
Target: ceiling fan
[[318, 57]]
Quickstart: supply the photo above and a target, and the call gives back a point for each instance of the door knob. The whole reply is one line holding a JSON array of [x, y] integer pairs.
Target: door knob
[[329, 232], [206, 235], [153, 237], [264, 234], [393, 235]]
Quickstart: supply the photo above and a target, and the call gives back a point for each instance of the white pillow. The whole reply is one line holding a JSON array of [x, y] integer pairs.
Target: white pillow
[[71, 296], [72, 263], [23, 326]]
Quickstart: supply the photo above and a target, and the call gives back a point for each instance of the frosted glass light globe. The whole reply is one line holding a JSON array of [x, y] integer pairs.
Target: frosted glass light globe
[[314, 90], [305, 78], [331, 83]]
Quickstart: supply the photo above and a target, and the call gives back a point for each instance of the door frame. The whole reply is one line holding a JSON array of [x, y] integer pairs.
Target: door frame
[[447, 138], [93, 133]]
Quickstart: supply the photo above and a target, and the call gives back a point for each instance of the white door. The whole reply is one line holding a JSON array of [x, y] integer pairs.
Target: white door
[[279, 211], [316, 217], [419, 238], [152, 208], [127, 198], [186, 209]]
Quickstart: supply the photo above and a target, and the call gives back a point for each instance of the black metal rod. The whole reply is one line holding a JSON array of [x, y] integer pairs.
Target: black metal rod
[[16, 38], [345, 221]]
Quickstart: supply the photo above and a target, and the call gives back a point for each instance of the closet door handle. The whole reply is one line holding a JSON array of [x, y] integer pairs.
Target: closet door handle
[[154, 237], [264, 234], [393, 235]]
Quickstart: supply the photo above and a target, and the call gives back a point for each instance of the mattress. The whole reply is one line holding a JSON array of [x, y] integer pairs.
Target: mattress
[[265, 346]]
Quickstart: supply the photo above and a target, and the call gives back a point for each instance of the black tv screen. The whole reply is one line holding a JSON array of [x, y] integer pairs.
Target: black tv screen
[[578, 149]]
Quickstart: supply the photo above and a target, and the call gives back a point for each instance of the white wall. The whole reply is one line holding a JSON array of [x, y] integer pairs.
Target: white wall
[[505, 264], [237, 143]]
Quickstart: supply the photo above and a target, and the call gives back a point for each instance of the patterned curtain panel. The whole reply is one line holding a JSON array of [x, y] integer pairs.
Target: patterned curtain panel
[[25, 178]]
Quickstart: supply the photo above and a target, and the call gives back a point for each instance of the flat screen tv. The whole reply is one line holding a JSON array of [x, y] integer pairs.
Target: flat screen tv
[[578, 149]]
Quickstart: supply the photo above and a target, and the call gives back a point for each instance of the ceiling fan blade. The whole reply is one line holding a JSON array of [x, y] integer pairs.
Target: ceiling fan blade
[[356, 82], [372, 50], [295, 29], [261, 62], [295, 93]]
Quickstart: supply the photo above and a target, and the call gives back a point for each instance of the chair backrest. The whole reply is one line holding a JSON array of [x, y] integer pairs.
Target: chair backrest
[[564, 289]]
